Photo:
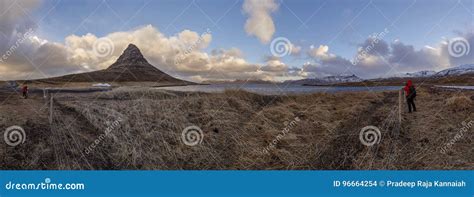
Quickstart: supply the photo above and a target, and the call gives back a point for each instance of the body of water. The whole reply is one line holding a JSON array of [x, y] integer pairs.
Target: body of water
[[458, 87], [277, 89]]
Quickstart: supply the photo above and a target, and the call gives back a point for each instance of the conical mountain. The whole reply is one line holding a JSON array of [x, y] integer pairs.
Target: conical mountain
[[131, 66], [131, 57]]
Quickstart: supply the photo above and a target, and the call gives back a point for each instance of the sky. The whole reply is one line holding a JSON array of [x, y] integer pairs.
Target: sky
[[202, 40]]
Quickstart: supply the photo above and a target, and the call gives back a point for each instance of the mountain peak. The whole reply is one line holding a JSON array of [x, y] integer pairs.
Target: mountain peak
[[131, 57], [131, 47]]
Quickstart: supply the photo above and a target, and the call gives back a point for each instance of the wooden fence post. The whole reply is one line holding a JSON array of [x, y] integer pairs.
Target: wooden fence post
[[51, 109], [400, 107]]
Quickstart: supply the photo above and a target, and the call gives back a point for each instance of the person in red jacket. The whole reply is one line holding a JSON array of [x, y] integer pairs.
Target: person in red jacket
[[24, 90], [410, 94]]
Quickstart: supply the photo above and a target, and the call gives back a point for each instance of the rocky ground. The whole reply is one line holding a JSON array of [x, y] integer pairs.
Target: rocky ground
[[141, 128]]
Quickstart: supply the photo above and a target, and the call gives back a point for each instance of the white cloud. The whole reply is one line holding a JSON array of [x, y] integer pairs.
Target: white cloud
[[15, 19], [295, 50], [319, 52], [77, 54], [17, 40], [260, 23], [385, 59], [275, 65]]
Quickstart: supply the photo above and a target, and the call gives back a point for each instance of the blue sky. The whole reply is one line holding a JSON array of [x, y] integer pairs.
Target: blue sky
[[342, 25], [420, 23]]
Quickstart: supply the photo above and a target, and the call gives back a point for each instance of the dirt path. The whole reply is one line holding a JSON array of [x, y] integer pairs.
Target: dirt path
[[434, 125], [346, 146], [72, 133], [60, 145]]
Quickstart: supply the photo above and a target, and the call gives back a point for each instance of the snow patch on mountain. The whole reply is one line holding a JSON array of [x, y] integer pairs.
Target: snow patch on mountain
[[327, 80], [456, 71], [424, 73]]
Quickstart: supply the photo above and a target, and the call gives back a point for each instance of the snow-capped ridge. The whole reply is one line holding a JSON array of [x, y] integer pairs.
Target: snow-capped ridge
[[456, 71], [327, 80]]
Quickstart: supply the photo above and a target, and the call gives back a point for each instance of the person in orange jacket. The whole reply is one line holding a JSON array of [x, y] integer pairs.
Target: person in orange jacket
[[24, 90], [410, 94]]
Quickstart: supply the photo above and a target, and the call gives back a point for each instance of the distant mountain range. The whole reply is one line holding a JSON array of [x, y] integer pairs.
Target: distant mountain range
[[250, 81], [424, 73], [327, 80], [455, 71], [459, 71]]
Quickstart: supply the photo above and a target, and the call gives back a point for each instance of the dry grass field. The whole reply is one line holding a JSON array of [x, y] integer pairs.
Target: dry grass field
[[141, 128]]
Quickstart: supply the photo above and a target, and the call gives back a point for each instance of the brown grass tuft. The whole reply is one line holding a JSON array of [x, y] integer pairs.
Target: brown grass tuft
[[459, 103]]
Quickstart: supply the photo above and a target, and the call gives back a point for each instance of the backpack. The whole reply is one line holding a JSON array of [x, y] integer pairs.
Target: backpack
[[412, 92]]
